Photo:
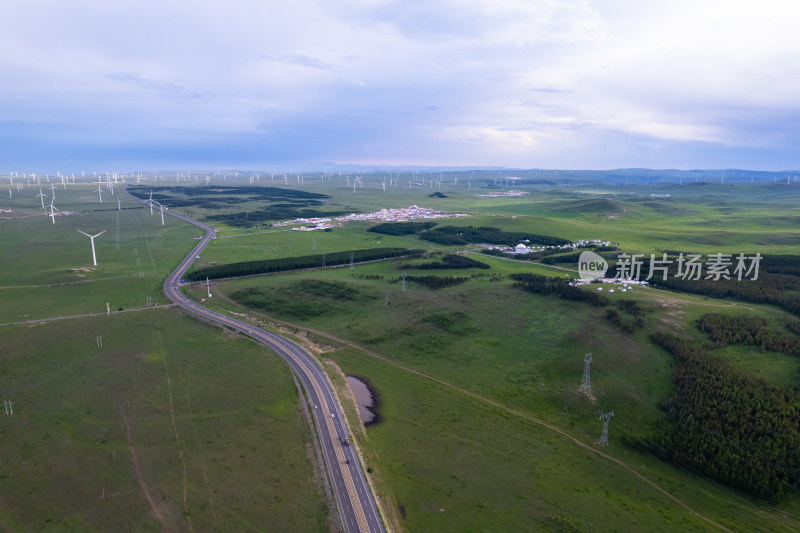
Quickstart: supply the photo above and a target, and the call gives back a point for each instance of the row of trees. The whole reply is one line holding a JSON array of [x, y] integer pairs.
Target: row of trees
[[401, 228], [725, 329], [448, 262], [435, 282], [731, 426], [461, 235], [250, 268], [538, 284]]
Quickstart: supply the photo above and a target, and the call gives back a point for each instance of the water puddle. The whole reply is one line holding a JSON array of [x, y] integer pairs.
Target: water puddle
[[364, 399]]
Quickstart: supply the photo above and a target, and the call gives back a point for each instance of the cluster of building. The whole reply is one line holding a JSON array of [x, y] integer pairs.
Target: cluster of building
[[401, 215], [626, 282], [384, 215], [504, 194], [6, 210], [523, 248], [310, 224]]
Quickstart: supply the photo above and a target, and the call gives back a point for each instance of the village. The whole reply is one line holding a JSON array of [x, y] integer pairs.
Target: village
[[522, 248], [384, 215]]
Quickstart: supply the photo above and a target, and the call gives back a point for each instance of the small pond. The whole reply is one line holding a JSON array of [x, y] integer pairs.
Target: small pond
[[364, 399]]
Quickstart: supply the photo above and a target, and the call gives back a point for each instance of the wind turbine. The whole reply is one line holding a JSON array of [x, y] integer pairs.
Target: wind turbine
[[100, 192], [41, 195], [161, 208], [52, 212], [150, 201], [94, 257]]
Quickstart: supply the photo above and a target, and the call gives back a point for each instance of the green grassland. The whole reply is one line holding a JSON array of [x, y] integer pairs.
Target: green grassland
[[702, 218], [524, 352], [438, 446], [51, 271], [470, 377], [210, 420]]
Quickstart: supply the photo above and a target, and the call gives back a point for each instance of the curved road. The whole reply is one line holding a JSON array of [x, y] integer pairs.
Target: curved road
[[354, 498]]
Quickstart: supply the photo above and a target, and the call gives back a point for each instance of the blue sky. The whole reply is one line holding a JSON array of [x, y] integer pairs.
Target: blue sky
[[147, 84]]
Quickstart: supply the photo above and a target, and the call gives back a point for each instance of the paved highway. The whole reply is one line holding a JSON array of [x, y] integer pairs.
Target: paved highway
[[354, 498]]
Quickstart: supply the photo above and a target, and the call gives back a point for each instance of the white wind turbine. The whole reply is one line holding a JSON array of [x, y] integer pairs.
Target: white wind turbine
[[94, 257], [100, 192], [52, 212], [161, 208], [41, 195]]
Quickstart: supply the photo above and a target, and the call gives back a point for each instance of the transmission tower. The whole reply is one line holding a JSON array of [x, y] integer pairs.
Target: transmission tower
[[604, 435], [403, 277], [586, 384]]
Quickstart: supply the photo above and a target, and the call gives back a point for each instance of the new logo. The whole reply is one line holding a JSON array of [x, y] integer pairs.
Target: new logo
[[591, 266]]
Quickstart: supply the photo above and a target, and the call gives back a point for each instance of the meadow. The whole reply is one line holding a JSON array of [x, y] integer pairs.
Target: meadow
[[151, 420], [143, 420], [483, 427], [430, 353], [49, 269]]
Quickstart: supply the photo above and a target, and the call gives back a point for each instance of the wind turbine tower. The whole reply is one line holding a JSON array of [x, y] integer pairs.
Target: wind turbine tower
[[41, 195], [52, 212], [92, 237]]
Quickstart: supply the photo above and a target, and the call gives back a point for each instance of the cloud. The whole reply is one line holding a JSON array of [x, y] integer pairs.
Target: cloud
[[301, 60], [446, 81]]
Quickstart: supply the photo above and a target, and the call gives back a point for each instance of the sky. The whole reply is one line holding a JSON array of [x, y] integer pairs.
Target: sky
[[260, 84]]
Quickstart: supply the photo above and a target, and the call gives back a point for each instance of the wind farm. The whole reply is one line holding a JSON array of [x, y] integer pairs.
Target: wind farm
[[473, 361]]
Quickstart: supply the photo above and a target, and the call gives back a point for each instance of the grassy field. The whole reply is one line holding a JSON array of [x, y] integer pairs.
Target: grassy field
[[439, 447], [704, 218], [483, 428], [170, 424], [52, 272]]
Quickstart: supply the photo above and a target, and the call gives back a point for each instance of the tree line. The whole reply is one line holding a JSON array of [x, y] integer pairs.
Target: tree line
[[435, 282], [539, 284], [460, 235], [250, 268], [449, 261], [401, 228]]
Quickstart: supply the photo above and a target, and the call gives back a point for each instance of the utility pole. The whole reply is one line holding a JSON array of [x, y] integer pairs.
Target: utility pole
[[586, 384], [604, 435]]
